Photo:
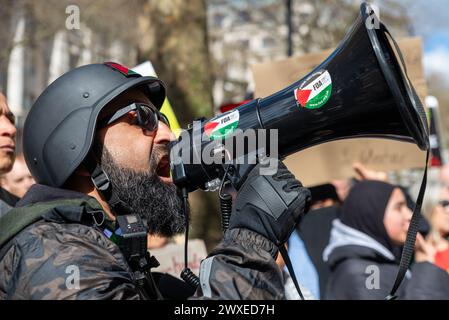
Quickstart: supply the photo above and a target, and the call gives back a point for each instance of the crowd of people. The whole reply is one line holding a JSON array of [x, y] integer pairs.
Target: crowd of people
[[349, 245], [346, 246]]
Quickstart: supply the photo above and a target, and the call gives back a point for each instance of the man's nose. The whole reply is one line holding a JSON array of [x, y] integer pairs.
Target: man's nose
[[7, 128], [164, 134]]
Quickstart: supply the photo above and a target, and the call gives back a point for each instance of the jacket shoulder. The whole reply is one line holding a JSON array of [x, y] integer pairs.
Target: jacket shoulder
[[428, 282], [358, 278], [49, 260], [64, 235]]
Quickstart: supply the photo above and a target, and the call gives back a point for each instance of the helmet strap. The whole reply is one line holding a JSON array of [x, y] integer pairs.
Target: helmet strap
[[139, 262], [103, 184]]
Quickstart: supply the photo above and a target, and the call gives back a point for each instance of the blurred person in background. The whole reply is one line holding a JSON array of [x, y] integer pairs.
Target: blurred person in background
[[362, 252], [155, 241], [436, 211], [306, 246], [439, 235], [343, 186], [7, 152], [312, 234], [19, 179], [444, 179]]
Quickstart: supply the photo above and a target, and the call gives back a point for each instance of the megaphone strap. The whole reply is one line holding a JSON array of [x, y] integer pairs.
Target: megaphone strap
[[407, 251], [409, 246]]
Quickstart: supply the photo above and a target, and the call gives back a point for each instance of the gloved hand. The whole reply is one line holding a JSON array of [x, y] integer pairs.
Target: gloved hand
[[270, 205]]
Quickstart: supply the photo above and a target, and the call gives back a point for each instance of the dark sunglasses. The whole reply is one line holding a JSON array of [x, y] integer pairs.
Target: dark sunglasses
[[148, 116]]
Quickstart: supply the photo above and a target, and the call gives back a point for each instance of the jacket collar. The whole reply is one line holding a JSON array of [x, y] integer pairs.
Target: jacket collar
[[43, 193], [346, 242], [66, 205]]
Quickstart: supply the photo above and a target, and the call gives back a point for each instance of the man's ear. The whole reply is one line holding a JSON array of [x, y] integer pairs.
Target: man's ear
[[79, 180], [82, 171]]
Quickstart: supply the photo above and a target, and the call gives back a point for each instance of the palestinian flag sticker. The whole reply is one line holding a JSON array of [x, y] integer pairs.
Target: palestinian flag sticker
[[315, 91], [122, 69], [223, 125]]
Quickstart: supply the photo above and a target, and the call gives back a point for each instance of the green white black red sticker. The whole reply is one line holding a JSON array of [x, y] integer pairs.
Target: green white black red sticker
[[315, 91], [223, 125]]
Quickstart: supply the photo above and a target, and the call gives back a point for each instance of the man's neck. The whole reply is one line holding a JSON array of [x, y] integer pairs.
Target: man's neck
[[84, 185], [94, 193]]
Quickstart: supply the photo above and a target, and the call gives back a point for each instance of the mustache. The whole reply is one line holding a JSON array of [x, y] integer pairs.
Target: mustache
[[157, 154]]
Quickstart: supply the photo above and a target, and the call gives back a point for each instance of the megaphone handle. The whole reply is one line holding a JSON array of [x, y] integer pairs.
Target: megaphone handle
[[409, 245]]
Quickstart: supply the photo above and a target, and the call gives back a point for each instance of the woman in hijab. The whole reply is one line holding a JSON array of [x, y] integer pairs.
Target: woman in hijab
[[364, 249]]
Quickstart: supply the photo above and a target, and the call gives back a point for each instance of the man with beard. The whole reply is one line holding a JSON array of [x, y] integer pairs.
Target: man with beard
[[96, 144]]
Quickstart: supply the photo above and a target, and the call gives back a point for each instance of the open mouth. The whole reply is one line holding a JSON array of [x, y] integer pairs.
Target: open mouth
[[163, 169]]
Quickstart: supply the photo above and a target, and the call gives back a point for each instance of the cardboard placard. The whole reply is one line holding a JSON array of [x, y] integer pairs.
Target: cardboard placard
[[333, 160], [284, 72]]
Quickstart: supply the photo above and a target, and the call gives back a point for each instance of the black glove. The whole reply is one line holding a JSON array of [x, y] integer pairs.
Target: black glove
[[270, 205]]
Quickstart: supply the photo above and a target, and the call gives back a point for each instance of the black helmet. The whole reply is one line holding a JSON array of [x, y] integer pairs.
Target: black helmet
[[60, 126]]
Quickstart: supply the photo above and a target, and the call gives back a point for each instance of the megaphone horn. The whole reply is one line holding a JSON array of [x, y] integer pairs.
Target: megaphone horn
[[360, 90]]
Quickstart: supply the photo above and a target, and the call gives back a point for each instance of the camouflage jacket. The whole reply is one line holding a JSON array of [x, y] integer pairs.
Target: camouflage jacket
[[59, 257]]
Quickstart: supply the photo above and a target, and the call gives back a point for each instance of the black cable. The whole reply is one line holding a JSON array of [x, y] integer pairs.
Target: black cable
[[225, 203], [186, 221], [226, 210], [187, 275]]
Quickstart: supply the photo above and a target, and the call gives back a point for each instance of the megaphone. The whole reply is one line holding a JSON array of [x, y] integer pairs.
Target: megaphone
[[360, 90]]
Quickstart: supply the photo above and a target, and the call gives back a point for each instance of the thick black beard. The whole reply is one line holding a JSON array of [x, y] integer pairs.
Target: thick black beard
[[158, 203]]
